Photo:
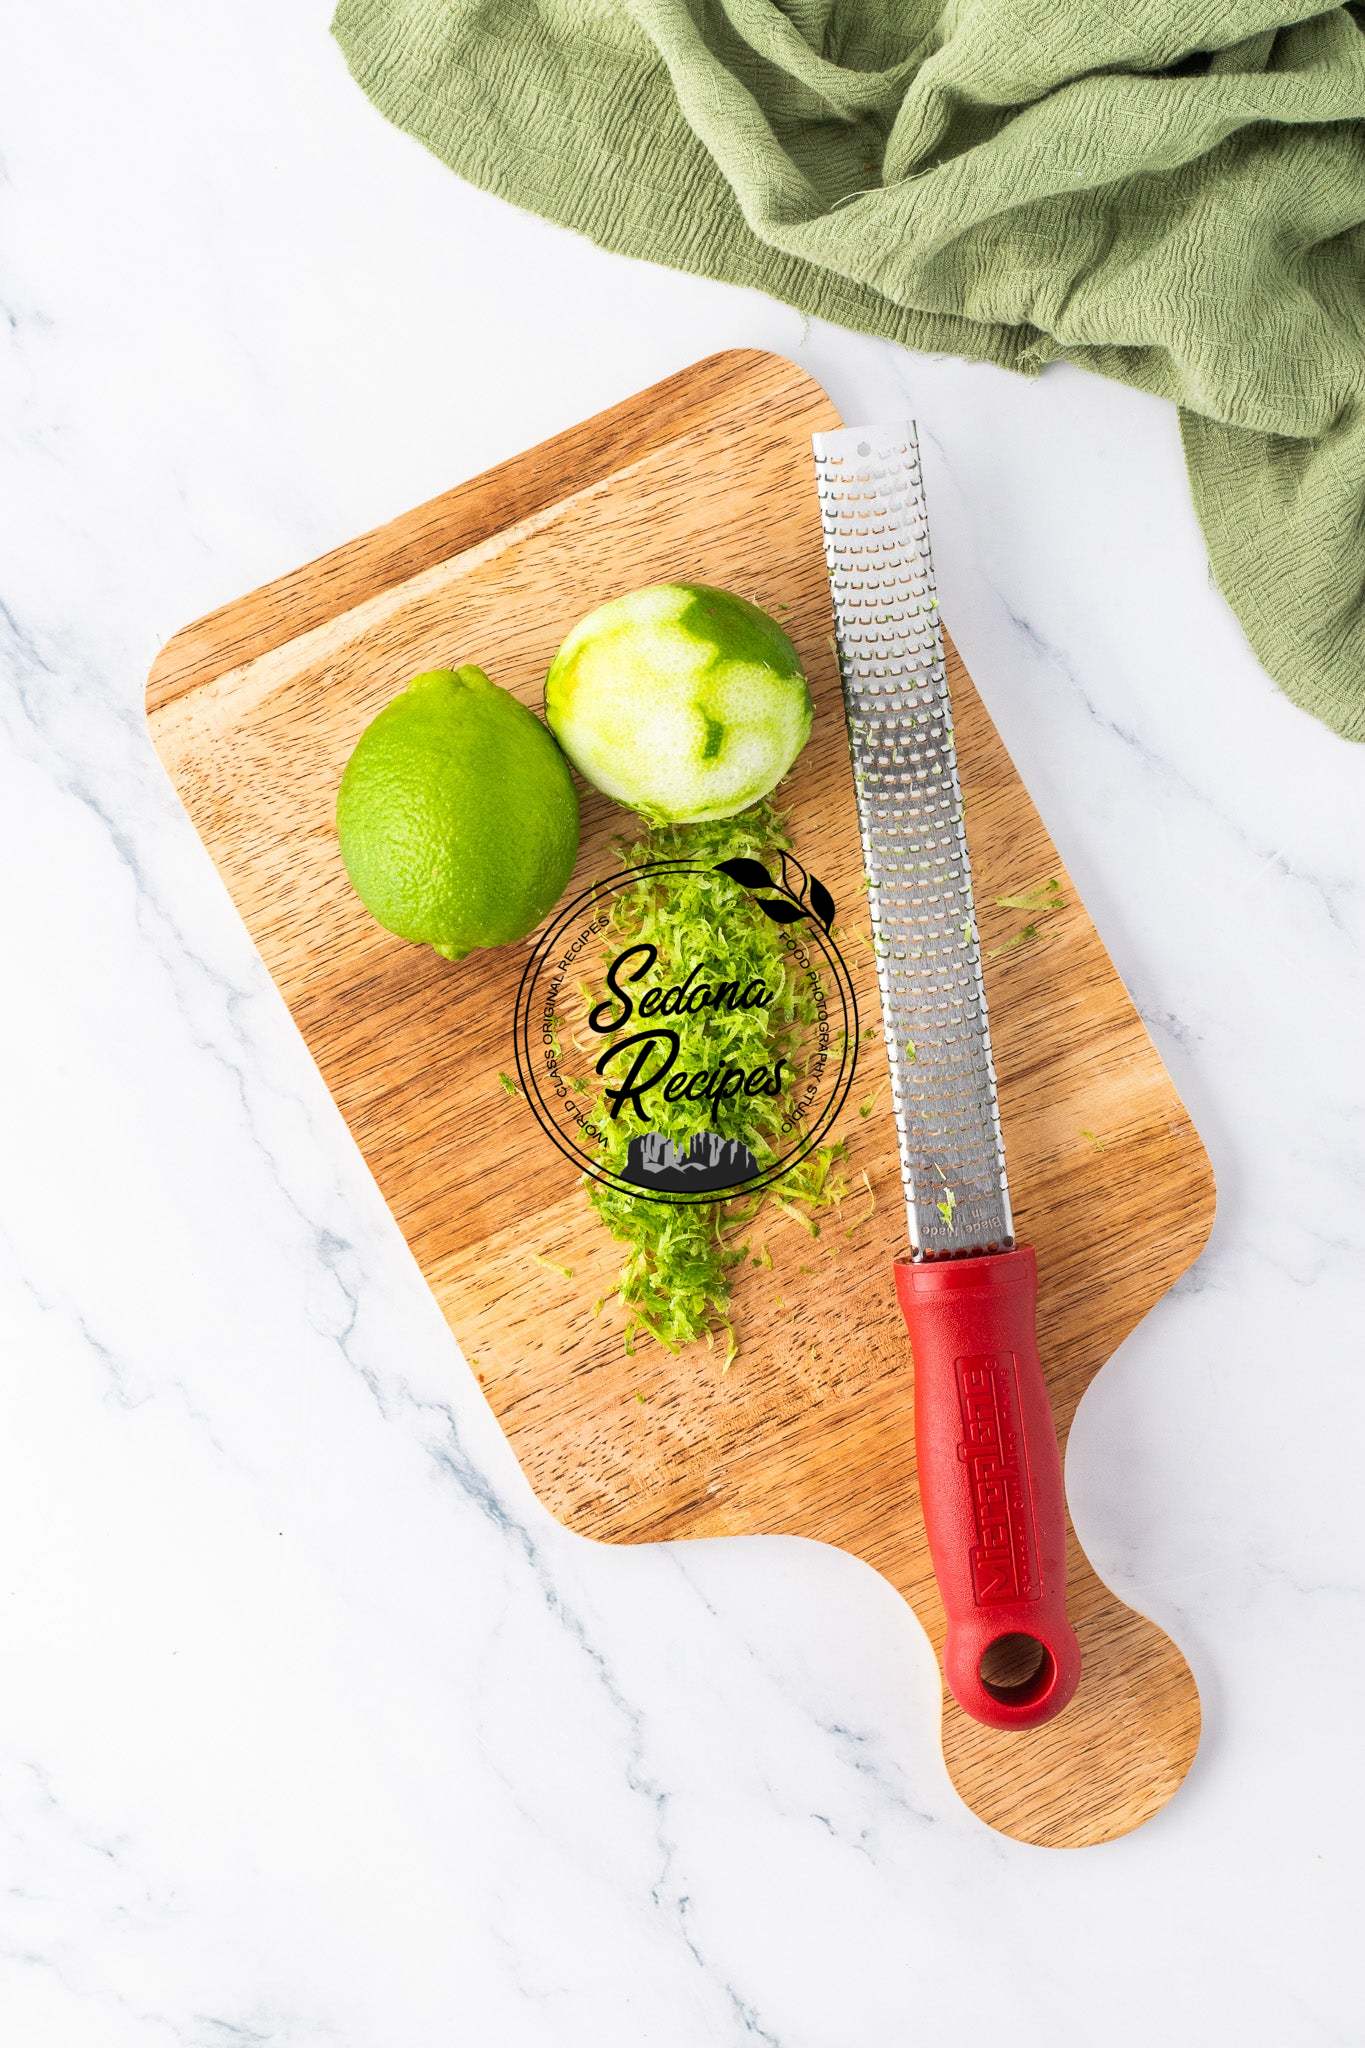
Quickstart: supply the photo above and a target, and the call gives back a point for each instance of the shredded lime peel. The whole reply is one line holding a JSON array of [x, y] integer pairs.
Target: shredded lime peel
[[1038, 900], [676, 1281]]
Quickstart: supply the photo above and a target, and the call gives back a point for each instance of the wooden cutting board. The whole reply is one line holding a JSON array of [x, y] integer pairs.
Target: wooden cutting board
[[254, 711]]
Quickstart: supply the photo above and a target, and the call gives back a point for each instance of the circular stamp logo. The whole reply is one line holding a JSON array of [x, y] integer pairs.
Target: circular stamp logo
[[686, 1031]]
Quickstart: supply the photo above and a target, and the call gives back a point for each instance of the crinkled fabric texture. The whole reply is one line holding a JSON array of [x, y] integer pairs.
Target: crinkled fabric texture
[[1171, 194]]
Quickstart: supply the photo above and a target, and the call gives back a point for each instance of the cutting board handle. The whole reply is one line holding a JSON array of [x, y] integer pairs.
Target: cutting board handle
[[990, 1478]]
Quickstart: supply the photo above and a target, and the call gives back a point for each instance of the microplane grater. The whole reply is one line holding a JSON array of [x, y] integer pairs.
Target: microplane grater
[[919, 878], [989, 1469]]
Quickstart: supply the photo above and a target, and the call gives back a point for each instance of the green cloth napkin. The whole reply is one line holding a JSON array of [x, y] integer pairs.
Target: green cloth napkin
[[1171, 194]]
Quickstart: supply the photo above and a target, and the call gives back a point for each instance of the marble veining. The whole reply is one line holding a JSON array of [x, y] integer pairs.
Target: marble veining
[[315, 1731]]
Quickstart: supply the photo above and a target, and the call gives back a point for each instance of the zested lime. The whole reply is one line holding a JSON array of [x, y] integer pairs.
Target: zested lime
[[457, 815], [684, 702]]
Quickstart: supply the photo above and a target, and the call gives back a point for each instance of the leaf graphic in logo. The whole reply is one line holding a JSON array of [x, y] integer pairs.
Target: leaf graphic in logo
[[821, 902], [796, 896], [750, 874]]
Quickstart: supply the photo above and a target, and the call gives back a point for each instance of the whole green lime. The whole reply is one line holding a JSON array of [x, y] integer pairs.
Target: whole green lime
[[682, 701], [457, 815]]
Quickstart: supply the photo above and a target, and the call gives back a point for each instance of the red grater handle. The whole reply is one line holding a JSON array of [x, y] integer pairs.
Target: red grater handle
[[990, 1480]]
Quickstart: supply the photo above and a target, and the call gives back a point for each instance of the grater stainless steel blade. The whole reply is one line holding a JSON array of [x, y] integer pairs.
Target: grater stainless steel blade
[[900, 723], [987, 1461]]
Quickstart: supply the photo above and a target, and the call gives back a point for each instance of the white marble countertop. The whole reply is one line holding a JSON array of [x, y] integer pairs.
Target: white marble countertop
[[314, 1731]]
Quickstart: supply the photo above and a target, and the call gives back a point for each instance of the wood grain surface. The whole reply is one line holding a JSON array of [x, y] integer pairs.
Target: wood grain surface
[[254, 711]]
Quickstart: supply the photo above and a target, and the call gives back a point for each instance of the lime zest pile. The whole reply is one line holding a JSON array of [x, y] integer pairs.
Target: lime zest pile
[[676, 1281]]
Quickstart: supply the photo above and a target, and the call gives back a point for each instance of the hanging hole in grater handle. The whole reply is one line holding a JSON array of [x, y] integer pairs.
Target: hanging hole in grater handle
[[1016, 1669]]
